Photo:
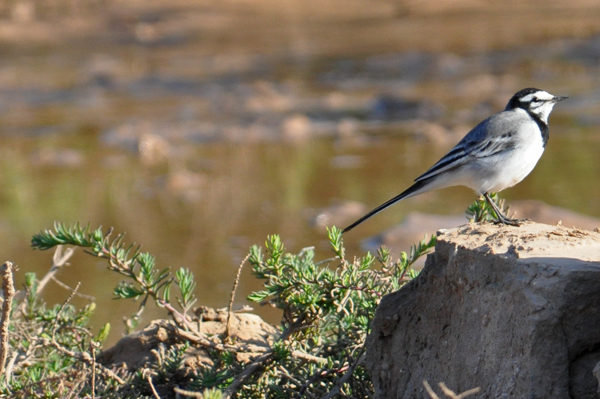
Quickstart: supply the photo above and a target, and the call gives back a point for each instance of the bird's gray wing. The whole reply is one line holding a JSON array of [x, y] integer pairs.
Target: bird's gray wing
[[490, 137]]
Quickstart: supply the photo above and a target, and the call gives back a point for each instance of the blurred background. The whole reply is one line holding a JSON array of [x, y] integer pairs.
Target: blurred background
[[198, 127]]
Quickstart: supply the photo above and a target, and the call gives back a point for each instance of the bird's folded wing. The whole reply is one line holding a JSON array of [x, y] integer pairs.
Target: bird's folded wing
[[472, 147]]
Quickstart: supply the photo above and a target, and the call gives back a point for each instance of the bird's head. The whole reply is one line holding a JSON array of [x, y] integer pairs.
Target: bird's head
[[535, 101]]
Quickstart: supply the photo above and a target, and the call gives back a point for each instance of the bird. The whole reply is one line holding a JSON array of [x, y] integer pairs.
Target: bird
[[496, 154]]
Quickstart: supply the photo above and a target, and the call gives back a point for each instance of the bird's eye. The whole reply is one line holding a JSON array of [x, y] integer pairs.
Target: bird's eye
[[535, 99]]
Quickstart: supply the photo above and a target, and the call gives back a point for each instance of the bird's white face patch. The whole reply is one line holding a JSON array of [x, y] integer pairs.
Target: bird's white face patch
[[540, 104], [544, 95]]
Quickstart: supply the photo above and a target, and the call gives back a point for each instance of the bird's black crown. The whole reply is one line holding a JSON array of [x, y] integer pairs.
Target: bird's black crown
[[515, 101]]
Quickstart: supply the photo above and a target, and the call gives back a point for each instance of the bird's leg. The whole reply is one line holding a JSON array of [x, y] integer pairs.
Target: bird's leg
[[502, 218]]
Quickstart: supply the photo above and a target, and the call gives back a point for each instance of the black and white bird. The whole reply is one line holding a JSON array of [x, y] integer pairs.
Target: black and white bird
[[497, 154]]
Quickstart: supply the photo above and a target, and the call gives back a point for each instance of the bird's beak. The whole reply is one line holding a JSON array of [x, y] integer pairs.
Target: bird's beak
[[559, 98]]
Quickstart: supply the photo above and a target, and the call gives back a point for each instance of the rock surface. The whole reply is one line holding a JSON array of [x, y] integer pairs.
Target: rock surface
[[136, 350], [514, 311], [416, 225]]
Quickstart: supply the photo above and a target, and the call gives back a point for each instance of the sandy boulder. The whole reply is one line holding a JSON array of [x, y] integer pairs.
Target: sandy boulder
[[514, 311]]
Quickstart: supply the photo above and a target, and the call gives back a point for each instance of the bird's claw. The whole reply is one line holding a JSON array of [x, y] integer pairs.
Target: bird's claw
[[511, 222]]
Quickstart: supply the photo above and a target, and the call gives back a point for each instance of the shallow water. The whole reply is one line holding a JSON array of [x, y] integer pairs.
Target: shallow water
[[198, 154]]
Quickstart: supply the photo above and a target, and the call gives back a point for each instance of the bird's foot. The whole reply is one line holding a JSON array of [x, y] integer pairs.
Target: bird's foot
[[510, 222]]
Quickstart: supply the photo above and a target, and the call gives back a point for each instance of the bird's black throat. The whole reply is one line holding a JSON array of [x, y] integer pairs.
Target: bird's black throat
[[542, 125], [515, 102]]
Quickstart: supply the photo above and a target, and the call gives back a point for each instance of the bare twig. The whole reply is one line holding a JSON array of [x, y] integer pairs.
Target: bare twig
[[82, 356], [346, 377], [149, 379], [6, 270], [448, 392], [295, 381], [10, 366], [258, 362], [58, 260], [62, 308], [198, 395], [310, 358], [77, 387], [68, 288], [251, 369], [452, 395], [429, 390], [93, 351], [200, 340], [179, 317], [235, 285]]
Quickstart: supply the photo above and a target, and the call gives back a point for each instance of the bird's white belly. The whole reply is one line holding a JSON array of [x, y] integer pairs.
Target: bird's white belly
[[512, 168]]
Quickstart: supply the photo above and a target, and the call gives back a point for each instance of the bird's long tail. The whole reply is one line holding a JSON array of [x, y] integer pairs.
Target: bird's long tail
[[412, 190]]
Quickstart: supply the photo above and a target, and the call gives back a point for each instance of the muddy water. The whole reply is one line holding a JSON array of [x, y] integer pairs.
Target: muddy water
[[198, 145]]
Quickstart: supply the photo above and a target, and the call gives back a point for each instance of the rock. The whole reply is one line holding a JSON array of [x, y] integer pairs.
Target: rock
[[541, 212], [413, 229], [296, 128], [596, 373], [23, 11], [136, 350], [434, 133], [153, 149], [512, 310], [347, 162], [186, 185], [61, 157], [340, 213], [245, 327], [416, 225], [388, 107]]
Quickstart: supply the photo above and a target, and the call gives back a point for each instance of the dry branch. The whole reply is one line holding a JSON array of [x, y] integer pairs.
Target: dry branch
[[58, 261], [448, 392], [9, 292], [235, 285], [360, 358]]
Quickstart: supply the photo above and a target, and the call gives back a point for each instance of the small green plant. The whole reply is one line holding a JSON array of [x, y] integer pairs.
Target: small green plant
[[139, 267], [482, 211], [327, 309], [52, 349]]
